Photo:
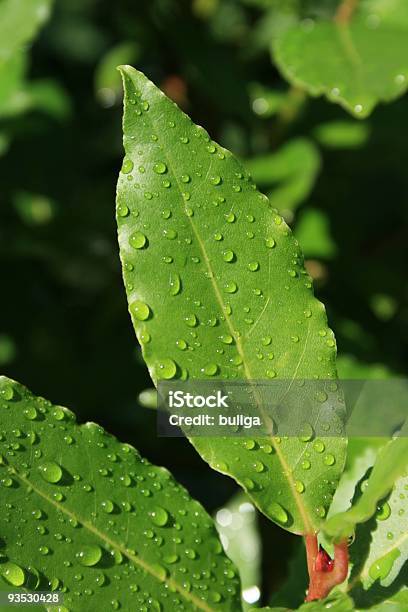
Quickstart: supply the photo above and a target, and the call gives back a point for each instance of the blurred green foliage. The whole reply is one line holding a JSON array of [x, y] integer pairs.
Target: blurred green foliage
[[64, 327]]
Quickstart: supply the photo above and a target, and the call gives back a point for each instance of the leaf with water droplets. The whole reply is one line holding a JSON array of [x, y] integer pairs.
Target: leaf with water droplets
[[244, 308], [83, 513], [380, 552], [391, 463], [356, 64]]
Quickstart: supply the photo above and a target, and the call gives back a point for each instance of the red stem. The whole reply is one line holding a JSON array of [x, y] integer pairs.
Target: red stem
[[324, 573]]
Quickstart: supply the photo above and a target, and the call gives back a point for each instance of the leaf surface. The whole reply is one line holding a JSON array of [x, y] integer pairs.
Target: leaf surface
[[217, 289], [82, 512], [388, 549], [391, 463], [355, 65]]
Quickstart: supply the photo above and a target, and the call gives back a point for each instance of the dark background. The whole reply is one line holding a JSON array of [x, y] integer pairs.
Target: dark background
[[64, 327]]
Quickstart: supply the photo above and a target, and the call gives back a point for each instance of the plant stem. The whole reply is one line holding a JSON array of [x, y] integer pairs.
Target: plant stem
[[345, 11], [323, 577]]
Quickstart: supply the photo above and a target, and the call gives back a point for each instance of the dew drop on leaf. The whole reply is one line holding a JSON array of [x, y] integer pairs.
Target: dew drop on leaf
[[166, 368], [159, 516], [12, 573], [137, 240], [127, 166], [278, 513], [140, 310], [51, 472], [160, 168], [89, 555], [383, 511]]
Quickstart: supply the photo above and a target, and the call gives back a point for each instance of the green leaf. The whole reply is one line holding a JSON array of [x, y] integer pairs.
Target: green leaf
[[82, 512], [19, 23], [217, 289], [313, 232], [355, 65], [391, 463], [292, 171], [388, 544], [342, 134]]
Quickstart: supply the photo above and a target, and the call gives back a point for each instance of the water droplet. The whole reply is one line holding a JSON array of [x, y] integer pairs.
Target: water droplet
[[181, 344], [278, 513], [321, 511], [306, 432], [7, 393], [215, 180], [230, 217], [249, 444], [270, 243], [89, 555], [140, 310], [210, 369], [127, 166], [107, 506], [30, 413], [13, 573], [383, 511], [226, 339], [123, 210], [299, 486], [190, 553], [170, 234], [160, 168], [329, 459], [166, 368], [175, 283], [185, 178], [137, 240], [228, 256], [159, 516], [319, 446], [258, 466], [51, 472], [271, 373], [253, 266], [306, 465], [230, 287], [218, 236], [191, 320]]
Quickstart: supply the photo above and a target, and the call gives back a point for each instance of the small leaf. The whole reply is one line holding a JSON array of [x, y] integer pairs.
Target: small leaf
[[356, 65], [184, 205], [82, 512], [292, 171], [388, 542], [391, 463]]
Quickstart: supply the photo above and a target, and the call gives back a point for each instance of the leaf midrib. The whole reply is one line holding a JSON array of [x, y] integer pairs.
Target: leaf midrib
[[137, 560], [308, 526]]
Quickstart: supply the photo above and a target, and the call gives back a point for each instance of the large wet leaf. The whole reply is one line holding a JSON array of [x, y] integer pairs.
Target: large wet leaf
[[391, 463], [83, 513], [356, 65], [217, 289]]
